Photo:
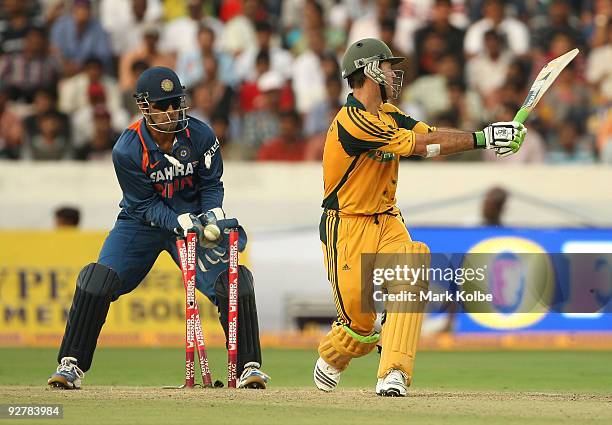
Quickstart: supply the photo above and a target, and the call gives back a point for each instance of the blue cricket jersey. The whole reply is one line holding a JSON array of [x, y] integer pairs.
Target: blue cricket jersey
[[156, 191]]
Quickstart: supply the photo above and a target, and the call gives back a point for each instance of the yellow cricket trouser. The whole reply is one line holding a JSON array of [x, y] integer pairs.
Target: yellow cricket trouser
[[344, 238]]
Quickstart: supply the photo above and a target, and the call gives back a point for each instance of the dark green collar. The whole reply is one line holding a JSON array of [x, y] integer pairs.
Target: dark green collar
[[351, 101]]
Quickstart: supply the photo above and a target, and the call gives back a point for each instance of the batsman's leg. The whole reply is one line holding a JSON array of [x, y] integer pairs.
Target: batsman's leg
[[352, 335], [402, 327]]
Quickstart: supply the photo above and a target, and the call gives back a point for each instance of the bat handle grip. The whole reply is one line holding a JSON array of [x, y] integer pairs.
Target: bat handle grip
[[521, 115]]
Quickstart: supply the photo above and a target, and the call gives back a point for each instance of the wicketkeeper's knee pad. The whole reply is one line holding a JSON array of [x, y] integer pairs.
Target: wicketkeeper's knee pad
[[402, 327], [342, 344]]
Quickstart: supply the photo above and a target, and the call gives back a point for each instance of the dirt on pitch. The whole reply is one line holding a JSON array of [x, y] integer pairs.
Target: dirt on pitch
[[153, 405]]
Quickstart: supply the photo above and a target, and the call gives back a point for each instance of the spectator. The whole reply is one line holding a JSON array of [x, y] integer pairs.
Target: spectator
[[568, 146], [559, 19], [599, 70], [67, 217], [126, 20], [202, 103], [147, 51], [211, 94], [248, 91], [221, 93], [127, 95], [23, 72], [289, 145], [182, 33], [101, 143], [263, 123], [239, 32], [449, 35], [487, 71], [318, 120], [190, 66], [281, 60], [82, 121], [465, 106], [430, 92], [11, 130], [431, 51], [50, 141], [45, 101], [313, 19], [15, 25], [308, 79], [74, 92], [387, 35], [369, 25], [493, 206], [514, 31], [78, 36], [320, 117]]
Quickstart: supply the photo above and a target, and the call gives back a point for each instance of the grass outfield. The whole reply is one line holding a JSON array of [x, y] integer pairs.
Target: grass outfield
[[124, 386]]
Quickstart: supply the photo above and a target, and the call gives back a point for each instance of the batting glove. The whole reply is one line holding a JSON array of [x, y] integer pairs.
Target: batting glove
[[504, 137]]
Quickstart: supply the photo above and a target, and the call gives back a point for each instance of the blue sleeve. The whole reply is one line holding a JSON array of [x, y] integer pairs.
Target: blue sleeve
[[103, 47], [57, 33], [210, 184], [140, 200]]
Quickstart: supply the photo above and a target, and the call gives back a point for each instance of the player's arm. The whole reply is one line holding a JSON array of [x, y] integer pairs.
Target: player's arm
[[505, 138], [430, 141], [210, 171], [142, 200]]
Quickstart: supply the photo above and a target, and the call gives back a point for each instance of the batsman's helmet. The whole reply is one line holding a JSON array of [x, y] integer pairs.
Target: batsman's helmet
[[367, 54], [161, 88]]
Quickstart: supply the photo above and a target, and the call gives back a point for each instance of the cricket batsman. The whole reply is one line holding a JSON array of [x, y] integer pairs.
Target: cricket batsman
[[169, 167], [360, 168]]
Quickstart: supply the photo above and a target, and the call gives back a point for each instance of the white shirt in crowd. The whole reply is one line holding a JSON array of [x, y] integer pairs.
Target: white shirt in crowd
[[118, 19], [181, 34], [281, 61], [485, 74], [599, 69], [308, 81], [515, 32]]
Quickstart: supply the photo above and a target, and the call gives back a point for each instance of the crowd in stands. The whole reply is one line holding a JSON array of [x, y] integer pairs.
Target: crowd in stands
[[265, 74]]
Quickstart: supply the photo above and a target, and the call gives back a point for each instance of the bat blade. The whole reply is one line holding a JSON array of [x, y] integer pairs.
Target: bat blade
[[543, 81]]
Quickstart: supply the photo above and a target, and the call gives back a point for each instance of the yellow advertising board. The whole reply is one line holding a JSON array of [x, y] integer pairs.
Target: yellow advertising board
[[38, 271]]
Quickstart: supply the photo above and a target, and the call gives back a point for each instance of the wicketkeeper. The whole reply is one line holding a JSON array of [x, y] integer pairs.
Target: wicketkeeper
[[360, 167], [169, 167]]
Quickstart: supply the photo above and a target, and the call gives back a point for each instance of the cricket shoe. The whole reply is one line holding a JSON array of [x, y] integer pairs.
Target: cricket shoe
[[326, 377], [394, 384], [252, 377], [67, 376]]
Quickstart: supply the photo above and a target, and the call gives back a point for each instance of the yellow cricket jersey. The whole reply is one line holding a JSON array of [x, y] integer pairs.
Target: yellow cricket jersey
[[361, 157]]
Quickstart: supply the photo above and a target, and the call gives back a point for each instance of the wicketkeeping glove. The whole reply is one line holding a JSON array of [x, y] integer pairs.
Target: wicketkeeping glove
[[216, 251], [504, 137], [189, 223]]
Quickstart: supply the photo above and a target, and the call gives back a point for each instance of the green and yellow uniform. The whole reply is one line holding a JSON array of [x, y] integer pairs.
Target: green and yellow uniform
[[360, 172]]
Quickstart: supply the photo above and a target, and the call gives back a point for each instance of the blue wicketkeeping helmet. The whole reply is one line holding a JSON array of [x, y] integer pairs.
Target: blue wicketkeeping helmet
[[160, 88]]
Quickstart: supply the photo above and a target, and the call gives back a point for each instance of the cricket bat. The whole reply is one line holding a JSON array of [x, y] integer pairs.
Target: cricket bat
[[543, 81]]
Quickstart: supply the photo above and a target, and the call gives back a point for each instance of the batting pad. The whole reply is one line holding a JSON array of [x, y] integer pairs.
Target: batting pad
[[342, 344], [402, 328]]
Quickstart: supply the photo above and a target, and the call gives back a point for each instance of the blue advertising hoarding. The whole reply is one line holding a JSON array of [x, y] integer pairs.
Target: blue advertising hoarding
[[549, 241]]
